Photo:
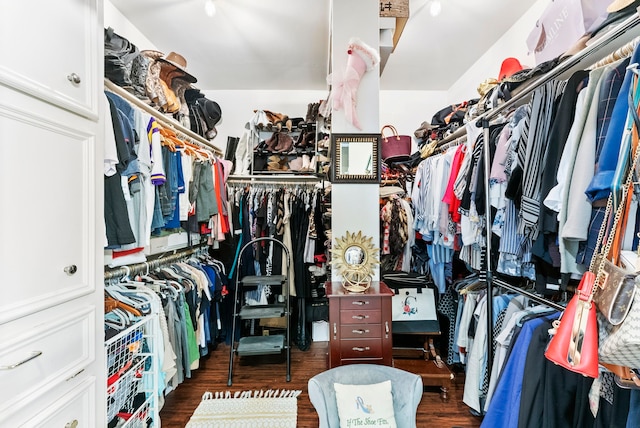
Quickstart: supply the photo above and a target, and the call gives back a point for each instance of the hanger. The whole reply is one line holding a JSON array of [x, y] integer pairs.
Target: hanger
[[118, 319], [116, 300], [475, 285], [620, 53]]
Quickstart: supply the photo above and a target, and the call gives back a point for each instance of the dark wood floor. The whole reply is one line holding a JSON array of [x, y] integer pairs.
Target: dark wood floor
[[212, 376]]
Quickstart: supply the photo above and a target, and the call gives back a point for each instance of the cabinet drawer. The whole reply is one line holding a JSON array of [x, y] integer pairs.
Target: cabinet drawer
[[52, 206], [360, 317], [359, 303], [74, 409], [50, 50], [356, 331], [35, 362], [365, 348]]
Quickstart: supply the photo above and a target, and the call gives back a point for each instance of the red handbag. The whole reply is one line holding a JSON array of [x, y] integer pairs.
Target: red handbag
[[575, 343], [395, 148]]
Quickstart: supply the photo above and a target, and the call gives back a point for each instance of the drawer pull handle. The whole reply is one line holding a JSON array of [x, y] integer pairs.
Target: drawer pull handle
[[75, 375], [72, 424], [360, 317], [34, 354], [71, 269], [74, 78], [361, 348], [360, 331], [360, 302], [386, 327], [335, 331]]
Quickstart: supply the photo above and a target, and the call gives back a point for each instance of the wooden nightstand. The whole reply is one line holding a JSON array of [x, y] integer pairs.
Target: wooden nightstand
[[359, 325]]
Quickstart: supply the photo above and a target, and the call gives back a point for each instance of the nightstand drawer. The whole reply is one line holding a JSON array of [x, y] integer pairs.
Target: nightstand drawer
[[360, 317], [360, 302], [357, 331], [365, 348]]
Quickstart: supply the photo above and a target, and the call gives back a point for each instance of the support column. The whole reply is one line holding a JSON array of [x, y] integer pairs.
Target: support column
[[355, 207]]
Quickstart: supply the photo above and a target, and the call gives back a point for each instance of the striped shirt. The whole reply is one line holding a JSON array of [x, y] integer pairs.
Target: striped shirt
[[543, 104]]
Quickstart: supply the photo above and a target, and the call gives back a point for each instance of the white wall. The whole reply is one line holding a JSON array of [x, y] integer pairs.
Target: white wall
[[123, 27], [237, 107], [406, 110], [512, 44]]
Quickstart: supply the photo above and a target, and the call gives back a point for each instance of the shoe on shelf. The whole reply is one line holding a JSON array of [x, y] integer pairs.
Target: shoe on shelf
[[260, 119], [300, 141], [309, 116], [295, 164], [285, 142], [313, 164], [305, 163], [272, 142]]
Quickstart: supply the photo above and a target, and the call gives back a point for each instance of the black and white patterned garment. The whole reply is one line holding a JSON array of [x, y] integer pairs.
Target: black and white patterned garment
[[448, 307], [497, 329], [269, 265]]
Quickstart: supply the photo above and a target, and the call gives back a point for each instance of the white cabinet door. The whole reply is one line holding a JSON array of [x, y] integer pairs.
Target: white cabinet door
[[47, 247], [49, 49]]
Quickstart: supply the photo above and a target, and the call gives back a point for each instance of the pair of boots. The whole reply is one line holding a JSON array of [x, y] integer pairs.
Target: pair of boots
[[312, 112], [277, 163], [303, 163], [279, 142], [266, 119], [305, 139]]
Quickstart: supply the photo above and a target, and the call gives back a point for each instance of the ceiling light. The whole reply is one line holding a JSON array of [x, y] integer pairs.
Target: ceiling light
[[435, 7], [209, 8]]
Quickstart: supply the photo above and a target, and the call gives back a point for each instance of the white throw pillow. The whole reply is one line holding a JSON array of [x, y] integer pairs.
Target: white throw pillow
[[365, 405]]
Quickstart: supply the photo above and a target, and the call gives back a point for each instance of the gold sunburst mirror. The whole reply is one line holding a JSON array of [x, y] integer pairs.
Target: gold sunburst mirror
[[354, 257]]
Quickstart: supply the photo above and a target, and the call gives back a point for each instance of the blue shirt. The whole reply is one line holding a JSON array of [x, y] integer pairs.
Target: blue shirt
[[505, 405]]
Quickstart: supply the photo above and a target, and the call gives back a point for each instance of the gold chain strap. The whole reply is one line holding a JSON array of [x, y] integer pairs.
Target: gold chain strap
[[626, 188], [601, 232]]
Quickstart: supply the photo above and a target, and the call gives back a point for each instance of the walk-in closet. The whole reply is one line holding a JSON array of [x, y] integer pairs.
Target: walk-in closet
[[336, 213]]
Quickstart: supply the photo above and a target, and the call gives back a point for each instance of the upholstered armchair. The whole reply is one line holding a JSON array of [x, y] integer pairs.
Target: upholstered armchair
[[406, 391]]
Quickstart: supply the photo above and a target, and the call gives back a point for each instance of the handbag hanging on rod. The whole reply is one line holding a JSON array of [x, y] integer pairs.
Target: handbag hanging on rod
[[574, 345], [616, 292]]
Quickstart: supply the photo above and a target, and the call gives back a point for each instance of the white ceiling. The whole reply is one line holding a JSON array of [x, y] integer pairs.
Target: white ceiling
[[284, 44]]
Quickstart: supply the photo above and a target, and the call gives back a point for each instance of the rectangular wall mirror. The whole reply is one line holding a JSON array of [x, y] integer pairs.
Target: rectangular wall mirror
[[355, 158]]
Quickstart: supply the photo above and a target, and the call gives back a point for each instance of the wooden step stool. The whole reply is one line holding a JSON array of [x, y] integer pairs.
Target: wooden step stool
[[431, 374]]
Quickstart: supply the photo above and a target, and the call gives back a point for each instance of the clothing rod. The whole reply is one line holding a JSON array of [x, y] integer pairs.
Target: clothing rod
[[270, 181], [166, 121], [541, 300], [561, 68], [161, 260]]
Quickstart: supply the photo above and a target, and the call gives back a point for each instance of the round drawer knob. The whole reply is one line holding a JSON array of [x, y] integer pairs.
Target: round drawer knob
[[74, 78], [71, 269], [72, 424]]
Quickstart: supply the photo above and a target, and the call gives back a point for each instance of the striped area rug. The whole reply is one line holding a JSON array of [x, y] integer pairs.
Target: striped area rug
[[272, 408]]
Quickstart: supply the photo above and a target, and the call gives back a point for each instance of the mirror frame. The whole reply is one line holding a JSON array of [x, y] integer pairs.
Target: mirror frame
[[364, 271], [336, 143]]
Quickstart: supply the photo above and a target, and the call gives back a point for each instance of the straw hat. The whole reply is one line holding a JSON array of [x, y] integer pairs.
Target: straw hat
[[618, 5]]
